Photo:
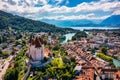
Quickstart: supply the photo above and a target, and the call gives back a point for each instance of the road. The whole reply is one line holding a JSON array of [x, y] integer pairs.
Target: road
[[3, 71]]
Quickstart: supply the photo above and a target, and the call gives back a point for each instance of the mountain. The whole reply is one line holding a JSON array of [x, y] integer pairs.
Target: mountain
[[69, 23], [111, 21], [21, 23]]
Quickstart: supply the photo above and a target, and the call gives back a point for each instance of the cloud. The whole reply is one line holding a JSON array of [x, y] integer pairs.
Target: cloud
[[27, 9], [117, 12], [73, 17]]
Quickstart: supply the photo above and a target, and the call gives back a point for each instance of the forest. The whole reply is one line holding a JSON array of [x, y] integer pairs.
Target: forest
[[21, 23]]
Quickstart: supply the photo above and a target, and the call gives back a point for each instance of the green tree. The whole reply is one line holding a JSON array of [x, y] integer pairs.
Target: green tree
[[72, 59], [104, 50], [4, 38], [11, 74], [66, 76], [17, 42], [57, 47], [0, 51], [92, 51], [0, 39], [13, 52], [39, 76], [23, 42], [79, 35]]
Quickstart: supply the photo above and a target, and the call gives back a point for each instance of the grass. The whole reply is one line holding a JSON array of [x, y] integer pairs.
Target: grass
[[104, 57]]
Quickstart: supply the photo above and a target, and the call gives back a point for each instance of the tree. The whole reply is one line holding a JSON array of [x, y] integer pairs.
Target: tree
[[72, 59], [45, 42], [0, 39], [57, 47], [19, 36], [1, 55], [0, 51], [79, 35], [4, 38], [66, 76], [4, 55], [13, 52], [39, 76], [104, 50], [92, 51], [23, 42], [17, 42], [11, 74], [4, 46]]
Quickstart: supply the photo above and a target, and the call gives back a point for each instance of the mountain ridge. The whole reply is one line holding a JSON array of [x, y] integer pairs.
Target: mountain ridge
[[21, 23], [113, 20], [110, 21]]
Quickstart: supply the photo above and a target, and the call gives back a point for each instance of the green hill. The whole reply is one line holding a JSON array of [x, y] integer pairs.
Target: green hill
[[21, 23]]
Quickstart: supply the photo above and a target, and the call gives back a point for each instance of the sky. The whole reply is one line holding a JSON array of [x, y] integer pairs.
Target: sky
[[62, 9]]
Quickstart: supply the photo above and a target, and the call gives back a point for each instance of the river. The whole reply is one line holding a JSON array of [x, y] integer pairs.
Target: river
[[68, 37], [116, 62]]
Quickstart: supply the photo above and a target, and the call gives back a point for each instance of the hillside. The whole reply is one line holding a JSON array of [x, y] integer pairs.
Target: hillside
[[112, 21], [21, 23]]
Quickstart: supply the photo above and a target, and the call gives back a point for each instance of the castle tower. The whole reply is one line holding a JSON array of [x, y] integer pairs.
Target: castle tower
[[36, 50]]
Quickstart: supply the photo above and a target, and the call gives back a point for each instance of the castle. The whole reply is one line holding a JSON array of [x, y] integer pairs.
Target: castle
[[36, 51]]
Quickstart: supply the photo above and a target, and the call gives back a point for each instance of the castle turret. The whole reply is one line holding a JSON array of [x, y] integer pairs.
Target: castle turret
[[49, 38]]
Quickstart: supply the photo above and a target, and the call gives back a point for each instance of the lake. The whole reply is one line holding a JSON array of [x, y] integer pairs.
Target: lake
[[82, 28]]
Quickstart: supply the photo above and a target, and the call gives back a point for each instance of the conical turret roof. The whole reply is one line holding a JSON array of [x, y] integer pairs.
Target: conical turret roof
[[37, 42]]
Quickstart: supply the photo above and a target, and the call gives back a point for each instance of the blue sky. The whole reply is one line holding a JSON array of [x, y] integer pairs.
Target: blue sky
[[62, 9]]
